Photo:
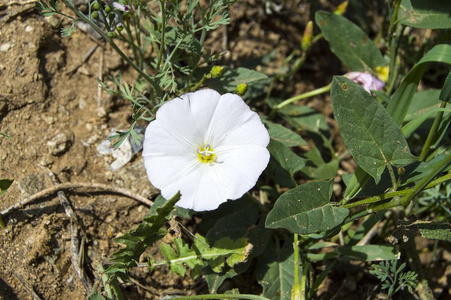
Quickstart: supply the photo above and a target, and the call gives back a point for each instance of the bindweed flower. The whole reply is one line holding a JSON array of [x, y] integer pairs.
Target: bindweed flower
[[366, 80], [208, 146]]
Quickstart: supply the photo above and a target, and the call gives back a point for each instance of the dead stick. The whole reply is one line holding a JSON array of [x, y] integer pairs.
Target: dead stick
[[72, 186]]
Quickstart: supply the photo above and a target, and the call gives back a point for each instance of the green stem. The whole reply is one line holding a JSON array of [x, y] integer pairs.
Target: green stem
[[163, 33], [296, 289], [386, 196], [432, 133], [392, 176], [110, 41], [394, 47], [424, 182], [393, 18], [304, 280], [319, 91]]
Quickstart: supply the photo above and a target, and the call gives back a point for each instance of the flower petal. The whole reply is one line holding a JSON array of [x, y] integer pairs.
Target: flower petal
[[187, 117], [201, 190], [239, 167], [233, 114]]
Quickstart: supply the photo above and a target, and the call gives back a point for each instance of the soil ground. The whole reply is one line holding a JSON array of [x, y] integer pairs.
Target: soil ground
[[51, 106]]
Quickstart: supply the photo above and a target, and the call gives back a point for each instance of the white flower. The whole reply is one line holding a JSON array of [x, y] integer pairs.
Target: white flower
[[209, 147]]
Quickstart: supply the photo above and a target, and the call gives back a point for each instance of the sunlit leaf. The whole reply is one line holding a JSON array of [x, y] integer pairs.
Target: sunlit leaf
[[348, 42], [434, 14], [306, 209], [368, 131], [284, 135], [401, 100]]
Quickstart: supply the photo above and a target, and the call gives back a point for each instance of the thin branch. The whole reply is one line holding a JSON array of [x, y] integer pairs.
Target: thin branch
[[73, 186]]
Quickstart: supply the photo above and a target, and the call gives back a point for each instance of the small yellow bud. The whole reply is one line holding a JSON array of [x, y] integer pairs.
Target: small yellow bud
[[241, 89], [401, 171], [341, 9], [216, 71], [307, 38], [383, 72]]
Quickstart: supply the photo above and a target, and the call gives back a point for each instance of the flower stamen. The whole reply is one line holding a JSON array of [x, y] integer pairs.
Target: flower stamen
[[206, 154]]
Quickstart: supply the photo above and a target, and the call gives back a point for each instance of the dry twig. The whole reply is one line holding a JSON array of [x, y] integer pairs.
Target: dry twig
[[74, 186]]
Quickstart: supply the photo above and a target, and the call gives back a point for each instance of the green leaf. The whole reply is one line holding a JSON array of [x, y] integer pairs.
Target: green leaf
[[369, 133], [368, 253], [96, 296], [323, 172], [231, 78], [5, 184], [434, 14], [413, 125], [303, 118], [275, 271], [306, 209], [348, 42], [434, 231], [423, 102], [401, 100], [445, 95], [287, 159], [137, 240], [284, 135], [225, 252]]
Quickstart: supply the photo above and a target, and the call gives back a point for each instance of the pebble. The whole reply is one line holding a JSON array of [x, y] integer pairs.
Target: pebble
[[58, 144], [5, 47], [28, 28]]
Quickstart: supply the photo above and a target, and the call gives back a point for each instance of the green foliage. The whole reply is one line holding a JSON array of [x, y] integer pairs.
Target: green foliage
[[284, 135], [168, 49], [137, 240], [370, 134], [349, 43], [425, 14], [224, 252], [287, 159], [5, 184], [275, 271], [306, 209], [402, 99], [393, 278], [47, 10]]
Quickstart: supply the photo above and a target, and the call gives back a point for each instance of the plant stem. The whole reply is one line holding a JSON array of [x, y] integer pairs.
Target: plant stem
[[432, 133], [281, 105], [163, 33], [392, 176], [304, 280], [393, 18], [110, 41], [423, 183], [390, 195], [297, 286]]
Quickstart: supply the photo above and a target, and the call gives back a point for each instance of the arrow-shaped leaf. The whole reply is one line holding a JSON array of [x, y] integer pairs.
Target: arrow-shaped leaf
[[370, 134], [306, 209]]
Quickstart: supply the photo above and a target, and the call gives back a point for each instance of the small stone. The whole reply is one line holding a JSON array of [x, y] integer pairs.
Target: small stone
[[28, 28], [58, 144], [89, 127], [49, 119], [5, 47], [81, 103]]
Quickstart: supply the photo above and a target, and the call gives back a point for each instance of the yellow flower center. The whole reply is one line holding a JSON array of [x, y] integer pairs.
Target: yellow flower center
[[206, 154]]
